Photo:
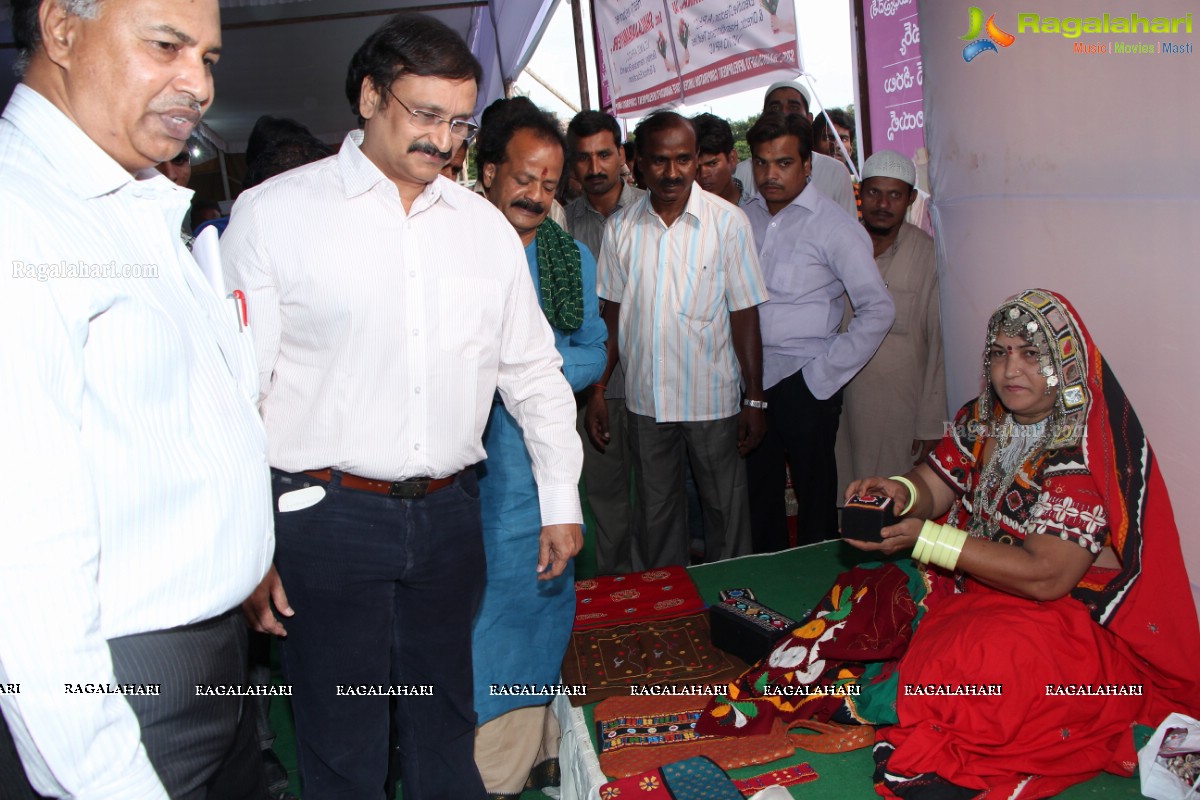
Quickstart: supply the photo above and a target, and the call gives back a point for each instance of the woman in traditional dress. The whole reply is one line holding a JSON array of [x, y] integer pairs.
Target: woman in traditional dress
[[1057, 576]]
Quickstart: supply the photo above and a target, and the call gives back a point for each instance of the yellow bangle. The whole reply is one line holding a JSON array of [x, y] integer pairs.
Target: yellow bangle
[[924, 545], [949, 547], [913, 495]]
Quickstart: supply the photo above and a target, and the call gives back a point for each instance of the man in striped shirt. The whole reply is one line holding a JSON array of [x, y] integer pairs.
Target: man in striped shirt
[[681, 282]]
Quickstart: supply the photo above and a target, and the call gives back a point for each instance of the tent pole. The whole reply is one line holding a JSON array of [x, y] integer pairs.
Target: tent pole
[[224, 173], [580, 54]]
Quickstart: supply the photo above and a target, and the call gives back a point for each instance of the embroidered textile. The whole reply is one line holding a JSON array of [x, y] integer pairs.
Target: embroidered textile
[[788, 776], [815, 672], [656, 653], [636, 597], [695, 778], [729, 752]]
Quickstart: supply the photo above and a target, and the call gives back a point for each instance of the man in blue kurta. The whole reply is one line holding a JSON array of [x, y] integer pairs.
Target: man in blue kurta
[[524, 625]]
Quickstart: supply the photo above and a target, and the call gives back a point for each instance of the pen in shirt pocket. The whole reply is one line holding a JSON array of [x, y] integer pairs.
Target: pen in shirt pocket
[[239, 306]]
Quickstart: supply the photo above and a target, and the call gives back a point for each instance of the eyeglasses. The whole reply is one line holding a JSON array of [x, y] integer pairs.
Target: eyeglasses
[[427, 120]]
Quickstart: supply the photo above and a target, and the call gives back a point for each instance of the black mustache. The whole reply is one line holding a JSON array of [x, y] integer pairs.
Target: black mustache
[[530, 206], [428, 148], [594, 176]]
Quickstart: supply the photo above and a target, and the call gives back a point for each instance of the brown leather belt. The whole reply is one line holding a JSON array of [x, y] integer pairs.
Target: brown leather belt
[[412, 489]]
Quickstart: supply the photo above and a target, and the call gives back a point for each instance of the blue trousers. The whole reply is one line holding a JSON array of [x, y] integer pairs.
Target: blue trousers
[[384, 591]]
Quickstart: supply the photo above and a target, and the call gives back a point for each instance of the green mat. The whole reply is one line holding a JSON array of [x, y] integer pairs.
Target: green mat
[[790, 582]]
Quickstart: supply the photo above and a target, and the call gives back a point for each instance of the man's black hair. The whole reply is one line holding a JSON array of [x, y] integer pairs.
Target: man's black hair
[[773, 125], [269, 131], [589, 123], [839, 117], [713, 135], [504, 118], [409, 44], [277, 144], [281, 156], [660, 121]]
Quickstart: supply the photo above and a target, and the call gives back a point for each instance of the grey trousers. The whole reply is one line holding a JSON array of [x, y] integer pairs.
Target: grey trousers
[[660, 451], [607, 484], [202, 747]]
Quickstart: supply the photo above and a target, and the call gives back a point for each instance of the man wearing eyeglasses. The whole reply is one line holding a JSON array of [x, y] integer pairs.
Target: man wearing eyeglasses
[[388, 306]]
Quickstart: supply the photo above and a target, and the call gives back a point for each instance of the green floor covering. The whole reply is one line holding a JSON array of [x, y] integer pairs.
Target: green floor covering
[[792, 583]]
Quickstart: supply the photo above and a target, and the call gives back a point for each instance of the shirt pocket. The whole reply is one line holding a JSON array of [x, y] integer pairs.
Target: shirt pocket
[[699, 290]]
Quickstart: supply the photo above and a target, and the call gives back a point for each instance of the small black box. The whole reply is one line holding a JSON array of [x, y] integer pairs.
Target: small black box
[[747, 628], [864, 516]]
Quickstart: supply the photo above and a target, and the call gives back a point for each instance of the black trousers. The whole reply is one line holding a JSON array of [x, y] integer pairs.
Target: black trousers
[[801, 431], [384, 590], [202, 747]]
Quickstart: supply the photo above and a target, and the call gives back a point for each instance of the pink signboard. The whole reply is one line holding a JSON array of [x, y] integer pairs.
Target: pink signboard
[[894, 75]]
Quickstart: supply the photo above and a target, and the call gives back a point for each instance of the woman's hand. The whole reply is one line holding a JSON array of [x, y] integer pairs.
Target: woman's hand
[[896, 538], [876, 485]]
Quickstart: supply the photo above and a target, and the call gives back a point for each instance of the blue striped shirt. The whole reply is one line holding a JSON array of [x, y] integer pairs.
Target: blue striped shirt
[[677, 285]]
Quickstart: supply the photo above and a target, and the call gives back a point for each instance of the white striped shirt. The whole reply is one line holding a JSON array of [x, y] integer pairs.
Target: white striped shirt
[[676, 286], [135, 486], [382, 336]]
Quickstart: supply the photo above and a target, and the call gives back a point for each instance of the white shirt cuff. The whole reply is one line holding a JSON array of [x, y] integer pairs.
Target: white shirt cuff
[[560, 505]]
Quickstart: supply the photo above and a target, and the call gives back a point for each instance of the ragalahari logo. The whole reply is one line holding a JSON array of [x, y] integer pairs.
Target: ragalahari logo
[[995, 36]]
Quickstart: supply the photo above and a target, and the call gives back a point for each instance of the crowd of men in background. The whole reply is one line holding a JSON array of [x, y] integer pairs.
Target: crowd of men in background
[[399, 353]]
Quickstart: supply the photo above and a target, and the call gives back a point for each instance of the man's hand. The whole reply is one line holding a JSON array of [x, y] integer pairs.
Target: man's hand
[[752, 427], [595, 419], [257, 607], [558, 545]]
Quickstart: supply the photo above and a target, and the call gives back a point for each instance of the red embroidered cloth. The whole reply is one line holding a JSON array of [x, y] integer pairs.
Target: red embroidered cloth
[[637, 597]]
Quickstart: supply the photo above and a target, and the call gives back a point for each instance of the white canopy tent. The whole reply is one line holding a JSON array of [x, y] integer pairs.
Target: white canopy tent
[[289, 57]]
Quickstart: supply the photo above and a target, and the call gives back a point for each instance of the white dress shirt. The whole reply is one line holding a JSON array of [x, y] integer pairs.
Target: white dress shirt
[[677, 285], [382, 336], [134, 484]]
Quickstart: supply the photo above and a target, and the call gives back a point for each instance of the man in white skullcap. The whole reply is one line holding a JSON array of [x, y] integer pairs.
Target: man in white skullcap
[[895, 406], [828, 174]]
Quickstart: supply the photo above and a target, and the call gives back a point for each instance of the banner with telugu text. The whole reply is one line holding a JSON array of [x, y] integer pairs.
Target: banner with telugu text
[[664, 52], [895, 75]]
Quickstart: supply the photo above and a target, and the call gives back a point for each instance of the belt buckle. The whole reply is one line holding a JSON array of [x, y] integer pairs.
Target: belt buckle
[[409, 490]]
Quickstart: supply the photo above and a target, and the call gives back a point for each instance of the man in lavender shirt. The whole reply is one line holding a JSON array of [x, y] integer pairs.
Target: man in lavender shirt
[[812, 253]]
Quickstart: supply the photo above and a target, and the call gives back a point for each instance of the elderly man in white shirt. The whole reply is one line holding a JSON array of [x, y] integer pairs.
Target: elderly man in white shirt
[[389, 305], [135, 485]]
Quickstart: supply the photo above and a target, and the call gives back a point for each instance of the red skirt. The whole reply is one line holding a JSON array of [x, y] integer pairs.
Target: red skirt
[[1021, 697]]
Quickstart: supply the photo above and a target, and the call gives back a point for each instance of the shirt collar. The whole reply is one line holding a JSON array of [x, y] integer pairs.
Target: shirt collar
[[360, 175], [629, 195], [691, 207], [92, 172], [807, 199]]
